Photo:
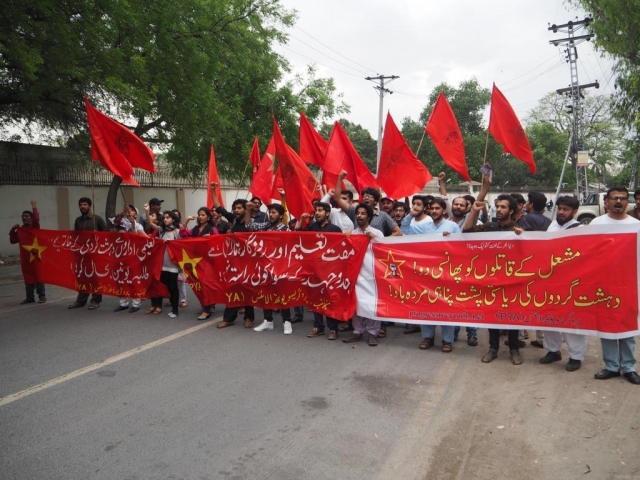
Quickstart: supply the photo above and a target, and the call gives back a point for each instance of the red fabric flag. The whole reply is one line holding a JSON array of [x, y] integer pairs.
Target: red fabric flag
[[278, 182], [262, 183], [506, 129], [254, 158], [400, 173], [341, 155], [312, 146], [299, 182], [132, 148], [213, 177], [445, 133], [103, 148]]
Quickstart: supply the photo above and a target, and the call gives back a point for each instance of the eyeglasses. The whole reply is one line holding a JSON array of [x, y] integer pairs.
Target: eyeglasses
[[619, 199], [367, 195]]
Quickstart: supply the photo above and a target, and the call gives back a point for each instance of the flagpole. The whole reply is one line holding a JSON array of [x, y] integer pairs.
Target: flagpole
[[241, 180], [93, 194], [420, 144], [486, 147]]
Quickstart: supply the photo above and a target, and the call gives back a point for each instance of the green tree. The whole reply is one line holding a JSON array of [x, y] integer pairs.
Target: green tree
[[361, 139], [181, 73]]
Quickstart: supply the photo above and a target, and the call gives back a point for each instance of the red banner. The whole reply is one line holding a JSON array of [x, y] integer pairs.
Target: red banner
[[110, 263], [580, 281], [275, 269]]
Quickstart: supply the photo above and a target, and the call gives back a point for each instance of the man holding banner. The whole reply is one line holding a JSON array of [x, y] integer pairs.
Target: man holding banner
[[618, 355]]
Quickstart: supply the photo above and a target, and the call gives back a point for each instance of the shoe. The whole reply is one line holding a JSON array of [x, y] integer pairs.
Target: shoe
[[333, 335], [42, 300], [265, 325], [633, 377], [183, 304], [573, 365], [203, 316], [172, 315], [551, 357], [537, 343], [605, 374], [27, 300], [372, 342], [287, 328], [224, 324], [354, 337], [382, 333], [446, 347], [516, 359], [248, 323], [76, 305], [133, 309], [490, 356], [472, 341], [316, 332], [426, 344], [120, 308], [409, 329], [296, 319]]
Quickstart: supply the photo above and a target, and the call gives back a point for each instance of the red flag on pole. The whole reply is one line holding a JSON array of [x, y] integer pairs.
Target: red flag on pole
[[400, 173], [103, 148], [262, 183], [312, 146], [131, 147], [299, 182], [342, 155], [213, 177], [445, 133], [254, 158], [506, 129]]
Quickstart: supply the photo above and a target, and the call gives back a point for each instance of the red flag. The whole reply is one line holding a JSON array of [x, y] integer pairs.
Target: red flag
[[103, 148], [213, 177], [262, 183], [506, 129], [254, 158], [278, 182], [299, 182], [445, 133], [400, 173], [312, 146], [341, 155], [132, 148]]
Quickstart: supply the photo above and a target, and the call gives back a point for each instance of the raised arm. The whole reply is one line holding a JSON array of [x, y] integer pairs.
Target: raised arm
[[472, 218], [486, 183], [337, 193]]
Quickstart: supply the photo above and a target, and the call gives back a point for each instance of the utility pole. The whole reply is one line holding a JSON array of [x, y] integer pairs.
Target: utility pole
[[382, 91], [574, 92]]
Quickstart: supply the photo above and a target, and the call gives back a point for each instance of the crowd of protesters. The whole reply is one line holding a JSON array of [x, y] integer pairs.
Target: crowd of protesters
[[375, 216]]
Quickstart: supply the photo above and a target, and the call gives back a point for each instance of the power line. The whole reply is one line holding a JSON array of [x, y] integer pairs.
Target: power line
[[533, 79], [328, 56], [526, 73], [319, 63]]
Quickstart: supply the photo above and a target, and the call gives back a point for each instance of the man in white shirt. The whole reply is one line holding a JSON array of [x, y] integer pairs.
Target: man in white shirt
[[618, 355], [552, 341]]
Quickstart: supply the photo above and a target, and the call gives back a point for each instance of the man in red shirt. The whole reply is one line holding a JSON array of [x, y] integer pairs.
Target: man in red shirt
[[30, 219]]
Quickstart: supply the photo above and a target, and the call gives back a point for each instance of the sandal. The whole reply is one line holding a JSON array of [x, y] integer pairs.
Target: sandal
[[93, 306], [204, 316], [382, 334], [446, 348], [158, 311], [183, 304], [426, 344], [151, 310]]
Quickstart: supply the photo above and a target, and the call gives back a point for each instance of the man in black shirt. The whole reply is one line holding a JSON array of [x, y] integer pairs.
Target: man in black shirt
[[322, 224], [91, 222]]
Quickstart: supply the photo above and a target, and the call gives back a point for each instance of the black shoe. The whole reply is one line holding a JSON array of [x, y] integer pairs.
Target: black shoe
[[573, 365], [76, 305], [120, 308], [551, 357], [27, 300], [633, 377], [354, 337], [133, 309], [472, 341], [296, 320], [606, 374]]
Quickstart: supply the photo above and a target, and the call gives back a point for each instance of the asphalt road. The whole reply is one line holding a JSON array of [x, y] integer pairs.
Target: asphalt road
[[204, 403]]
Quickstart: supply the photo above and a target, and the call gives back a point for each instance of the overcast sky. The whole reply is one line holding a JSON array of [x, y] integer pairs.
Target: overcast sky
[[426, 43]]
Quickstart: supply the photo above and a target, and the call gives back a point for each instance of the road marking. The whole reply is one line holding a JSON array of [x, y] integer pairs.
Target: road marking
[[90, 368]]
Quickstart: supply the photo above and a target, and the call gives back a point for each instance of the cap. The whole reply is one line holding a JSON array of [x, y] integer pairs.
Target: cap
[[155, 201], [388, 198], [132, 207]]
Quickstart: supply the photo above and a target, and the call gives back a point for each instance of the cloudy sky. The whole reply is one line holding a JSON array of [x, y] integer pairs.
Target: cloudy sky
[[426, 43]]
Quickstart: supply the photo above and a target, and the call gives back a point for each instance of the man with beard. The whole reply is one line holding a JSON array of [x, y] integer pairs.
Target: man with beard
[[577, 344], [257, 215], [618, 355], [386, 205], [521, 203], [634, 212], [418, 219], [505, 207], [322, 224], [88, 221], [381, 220], [240, 220], [364, 214]]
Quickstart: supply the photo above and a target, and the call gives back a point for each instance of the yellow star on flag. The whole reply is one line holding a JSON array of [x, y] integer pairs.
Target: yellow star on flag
[[192, 262], [392, 266], [35, 250]]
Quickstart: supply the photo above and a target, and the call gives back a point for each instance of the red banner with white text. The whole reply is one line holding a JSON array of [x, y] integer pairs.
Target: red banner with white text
[[274, 269], [584, 280], [109, 263]]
